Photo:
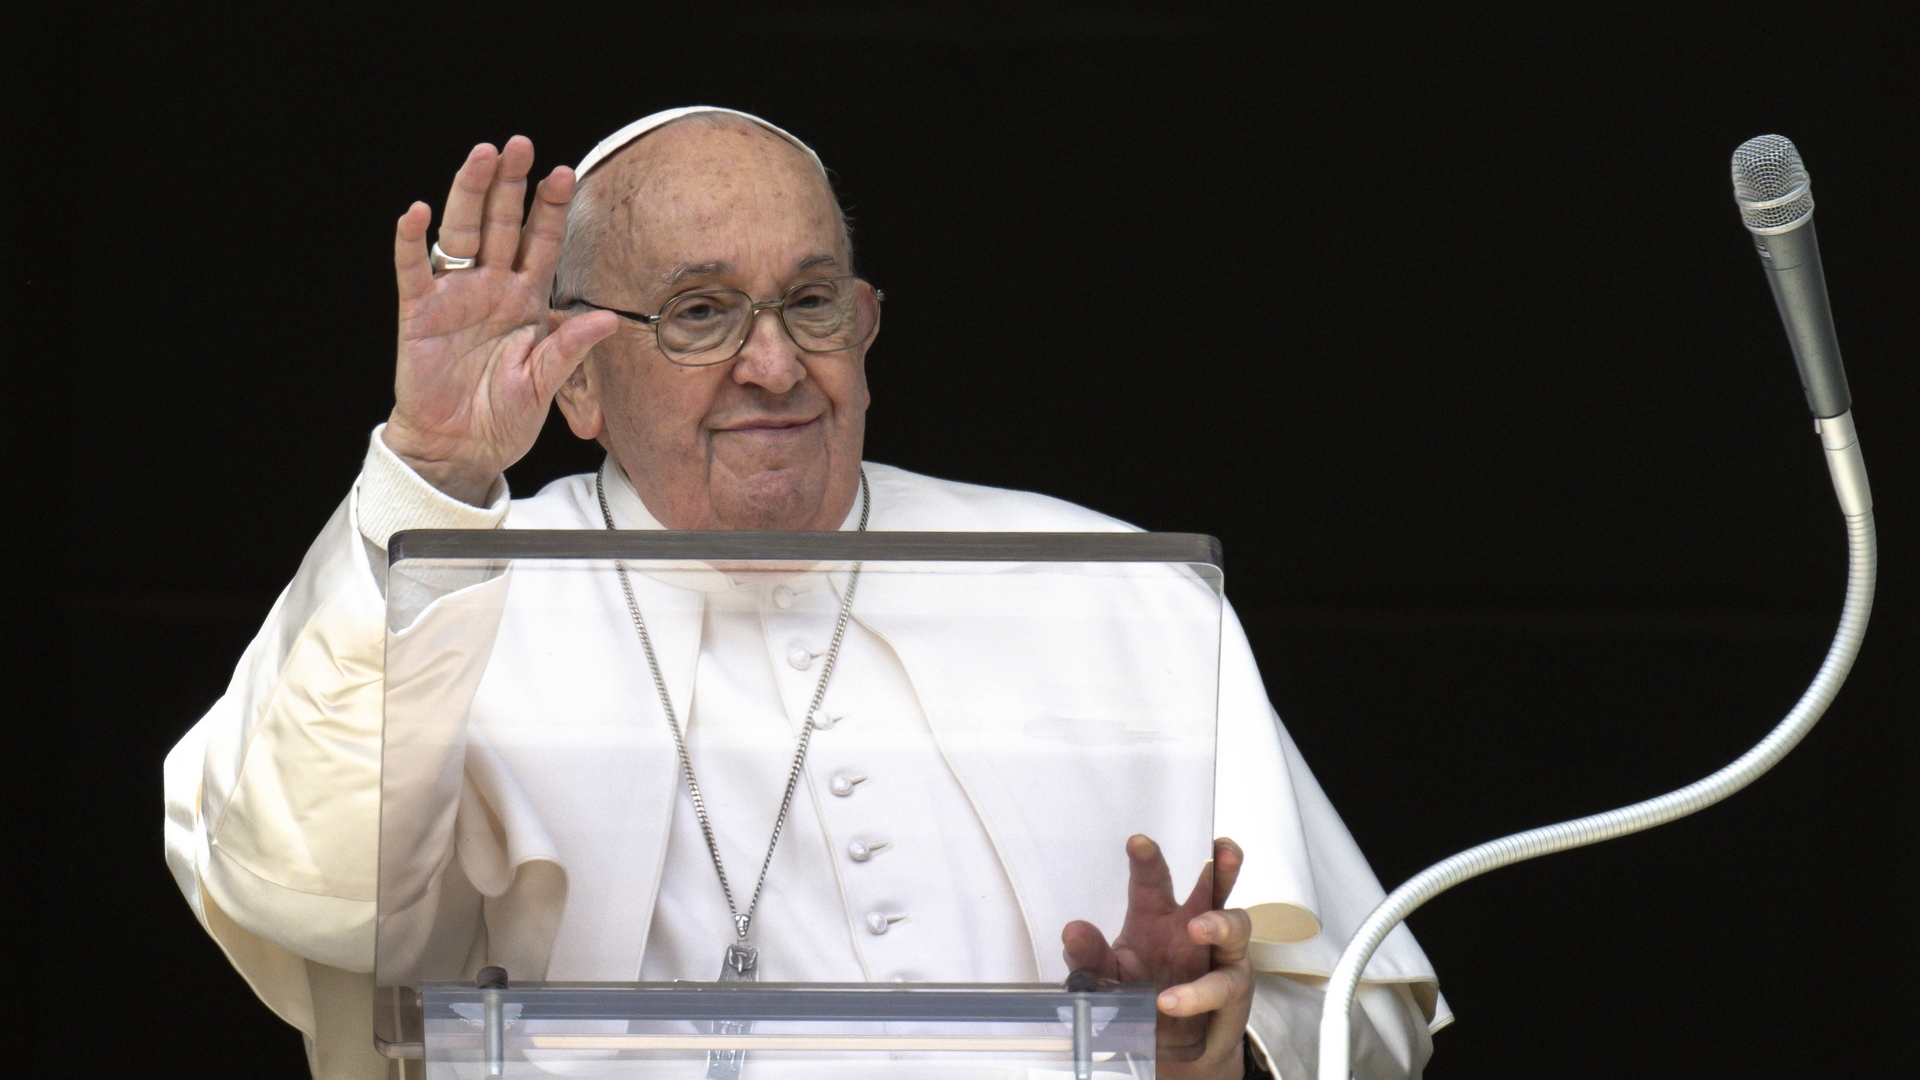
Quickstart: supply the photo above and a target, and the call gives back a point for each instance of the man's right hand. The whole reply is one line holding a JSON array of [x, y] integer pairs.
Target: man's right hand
[[477, 366]]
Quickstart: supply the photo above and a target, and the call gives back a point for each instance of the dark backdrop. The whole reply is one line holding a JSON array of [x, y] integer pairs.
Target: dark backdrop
[[1443, 321]]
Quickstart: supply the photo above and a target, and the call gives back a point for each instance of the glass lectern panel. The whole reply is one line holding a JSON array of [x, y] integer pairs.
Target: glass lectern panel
[[955, 734]]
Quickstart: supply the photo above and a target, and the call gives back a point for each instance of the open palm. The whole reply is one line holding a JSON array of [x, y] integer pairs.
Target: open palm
[[480, 353]]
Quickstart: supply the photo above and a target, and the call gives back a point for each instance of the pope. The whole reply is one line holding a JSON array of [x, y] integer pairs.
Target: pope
[[688, 297]]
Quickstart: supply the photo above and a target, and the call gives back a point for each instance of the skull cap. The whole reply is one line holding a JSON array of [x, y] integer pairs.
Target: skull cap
[[614, 142]]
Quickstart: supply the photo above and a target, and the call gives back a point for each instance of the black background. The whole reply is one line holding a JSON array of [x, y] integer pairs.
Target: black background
[[1441, 319]]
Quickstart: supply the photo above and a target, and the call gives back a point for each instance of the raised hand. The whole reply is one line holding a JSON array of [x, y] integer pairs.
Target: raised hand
[[480, 355], [1194, 951]]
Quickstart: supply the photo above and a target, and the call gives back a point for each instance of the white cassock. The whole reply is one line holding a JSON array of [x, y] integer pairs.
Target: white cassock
[[273, 799]]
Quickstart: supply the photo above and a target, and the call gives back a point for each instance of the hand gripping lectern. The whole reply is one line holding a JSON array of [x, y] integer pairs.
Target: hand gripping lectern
[[783, 804]]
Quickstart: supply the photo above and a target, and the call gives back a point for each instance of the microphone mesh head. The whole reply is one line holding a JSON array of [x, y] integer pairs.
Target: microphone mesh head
[[1771, 184]]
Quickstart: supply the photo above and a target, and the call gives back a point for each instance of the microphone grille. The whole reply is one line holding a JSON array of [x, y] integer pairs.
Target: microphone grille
[[1770, 184]]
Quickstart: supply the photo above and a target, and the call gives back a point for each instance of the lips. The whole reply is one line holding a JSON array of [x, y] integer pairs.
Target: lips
[[771, 427]]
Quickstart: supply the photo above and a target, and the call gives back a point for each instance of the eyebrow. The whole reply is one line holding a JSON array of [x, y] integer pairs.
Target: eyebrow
[[812, 262], [706, 269], [687, 270]]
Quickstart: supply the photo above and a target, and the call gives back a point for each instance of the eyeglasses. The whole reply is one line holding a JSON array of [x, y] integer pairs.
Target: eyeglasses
[[711, 326]]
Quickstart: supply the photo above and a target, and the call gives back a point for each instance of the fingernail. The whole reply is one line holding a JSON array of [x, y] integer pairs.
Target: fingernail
[[1169, 1000]]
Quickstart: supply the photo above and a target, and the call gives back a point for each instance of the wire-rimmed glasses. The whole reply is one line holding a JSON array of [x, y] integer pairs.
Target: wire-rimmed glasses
[[711, 326]]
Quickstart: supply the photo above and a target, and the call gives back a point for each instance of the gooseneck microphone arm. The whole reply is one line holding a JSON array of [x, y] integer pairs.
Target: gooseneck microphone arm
[[1770, 185]]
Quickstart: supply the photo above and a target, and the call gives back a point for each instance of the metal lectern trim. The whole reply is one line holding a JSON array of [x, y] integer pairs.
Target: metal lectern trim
[[639, 544], [1043, 1005]]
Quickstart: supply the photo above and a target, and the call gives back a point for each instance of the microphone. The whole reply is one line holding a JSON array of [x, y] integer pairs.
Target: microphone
[[1775, 196], [1776, 201]]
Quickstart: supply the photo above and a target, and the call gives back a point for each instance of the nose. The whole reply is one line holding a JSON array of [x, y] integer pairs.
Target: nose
[[769, 359]]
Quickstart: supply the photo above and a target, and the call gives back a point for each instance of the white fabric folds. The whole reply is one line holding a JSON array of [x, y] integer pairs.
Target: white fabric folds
[[273, 796]]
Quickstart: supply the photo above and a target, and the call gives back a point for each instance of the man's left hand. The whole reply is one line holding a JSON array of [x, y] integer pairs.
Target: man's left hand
[[1194, 951]]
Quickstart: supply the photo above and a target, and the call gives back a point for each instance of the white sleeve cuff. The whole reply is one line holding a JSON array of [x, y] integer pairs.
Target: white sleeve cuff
[[1389, 1029], [394, 497]]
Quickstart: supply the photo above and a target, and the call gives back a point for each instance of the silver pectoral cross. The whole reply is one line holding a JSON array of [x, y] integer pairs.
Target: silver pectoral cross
[[741, 964]]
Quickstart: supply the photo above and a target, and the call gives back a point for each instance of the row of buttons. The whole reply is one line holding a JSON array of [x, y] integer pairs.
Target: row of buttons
[[800, 658]]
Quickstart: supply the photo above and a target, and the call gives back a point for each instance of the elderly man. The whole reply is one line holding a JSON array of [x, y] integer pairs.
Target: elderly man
[[633, 296]]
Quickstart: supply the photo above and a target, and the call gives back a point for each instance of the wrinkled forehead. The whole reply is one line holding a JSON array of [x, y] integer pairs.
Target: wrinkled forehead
[[619, 140]]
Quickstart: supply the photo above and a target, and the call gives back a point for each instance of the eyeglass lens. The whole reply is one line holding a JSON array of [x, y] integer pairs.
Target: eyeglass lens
[[820, 316]]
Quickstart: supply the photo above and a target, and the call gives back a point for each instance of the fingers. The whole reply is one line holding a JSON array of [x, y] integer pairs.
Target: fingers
[[1227, 931], [505, 204], [1085, 947], [460, 221], [1229, 981], [410, 253], [555, 358], [1227, 860], [1149, 882], [547, 225], [1211, 992]]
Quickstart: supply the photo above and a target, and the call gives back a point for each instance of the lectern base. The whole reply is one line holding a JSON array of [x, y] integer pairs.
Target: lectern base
[[789, 1030]]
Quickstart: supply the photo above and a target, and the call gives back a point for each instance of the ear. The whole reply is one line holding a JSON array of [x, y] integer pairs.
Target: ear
[[866, 387], [579, 396]]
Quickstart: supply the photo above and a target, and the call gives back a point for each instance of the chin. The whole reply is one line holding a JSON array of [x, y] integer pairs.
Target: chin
[[770, 499]]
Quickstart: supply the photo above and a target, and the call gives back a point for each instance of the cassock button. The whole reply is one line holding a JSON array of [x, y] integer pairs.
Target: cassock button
[[879, 922], [842, 784], [860, 852], [783, 598], [800, 657]]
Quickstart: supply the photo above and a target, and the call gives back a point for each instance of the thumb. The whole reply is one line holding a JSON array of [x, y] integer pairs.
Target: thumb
[[556, 356]]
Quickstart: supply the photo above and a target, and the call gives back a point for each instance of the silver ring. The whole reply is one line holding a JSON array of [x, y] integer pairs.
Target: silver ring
[[440, 260]]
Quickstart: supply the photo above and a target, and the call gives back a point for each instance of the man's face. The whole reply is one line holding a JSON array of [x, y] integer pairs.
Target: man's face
[[771, 439]]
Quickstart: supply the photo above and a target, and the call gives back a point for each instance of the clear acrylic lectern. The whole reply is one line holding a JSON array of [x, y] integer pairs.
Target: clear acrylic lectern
[[993, 715]]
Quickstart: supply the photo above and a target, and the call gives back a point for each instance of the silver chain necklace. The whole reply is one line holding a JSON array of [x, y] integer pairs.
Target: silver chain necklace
[[742, 960]]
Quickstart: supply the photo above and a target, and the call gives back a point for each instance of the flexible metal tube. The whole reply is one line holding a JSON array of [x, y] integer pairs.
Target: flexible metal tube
[[1862, 563]]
